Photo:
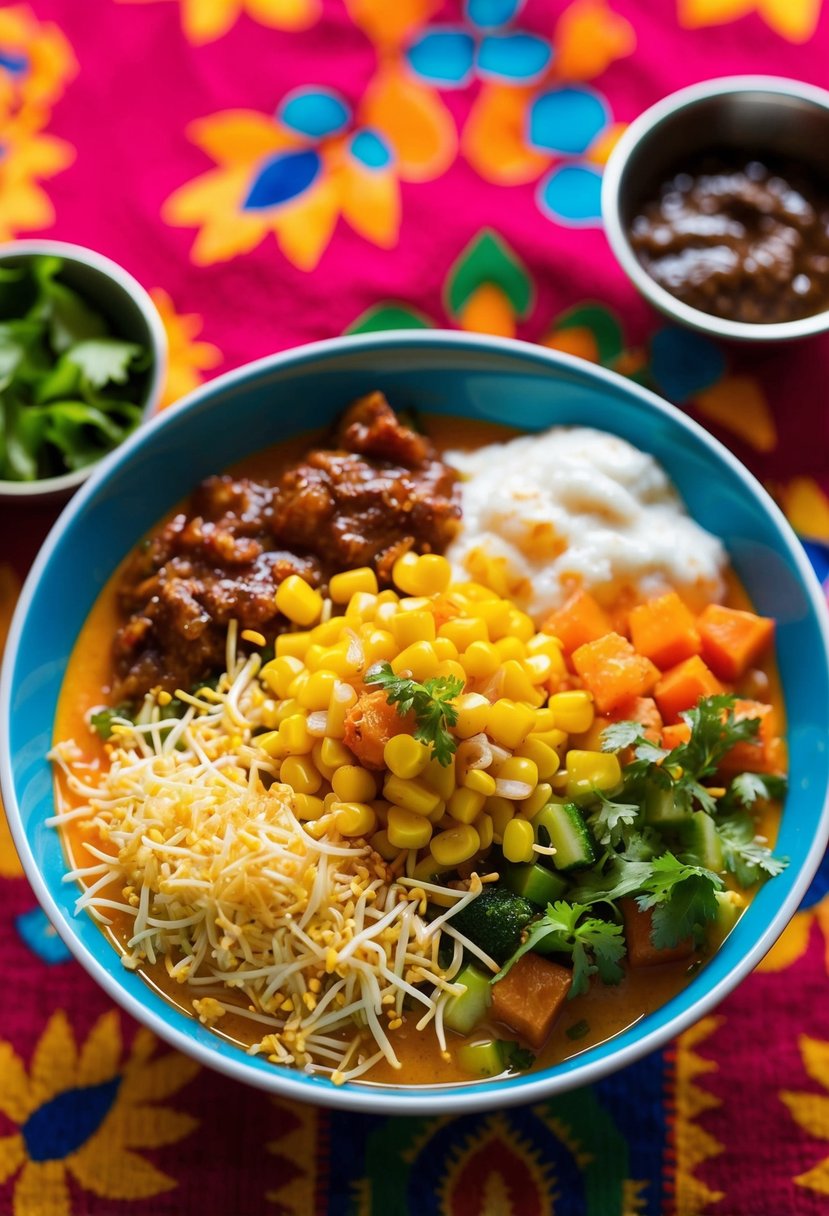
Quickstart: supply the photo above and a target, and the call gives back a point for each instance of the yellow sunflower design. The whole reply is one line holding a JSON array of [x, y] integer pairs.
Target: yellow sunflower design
[[297, 173], [794, 20], [206, 20], [189, 356], [36, 61], [82, 1113]]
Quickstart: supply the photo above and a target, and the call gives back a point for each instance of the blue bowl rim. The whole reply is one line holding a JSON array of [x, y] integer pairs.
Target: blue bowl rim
[[286, 1082]]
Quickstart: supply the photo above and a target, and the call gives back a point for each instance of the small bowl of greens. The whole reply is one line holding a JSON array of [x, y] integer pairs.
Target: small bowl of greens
[[82, 361]]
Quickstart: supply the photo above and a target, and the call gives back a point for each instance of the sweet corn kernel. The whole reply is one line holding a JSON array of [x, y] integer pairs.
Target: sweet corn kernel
[[508, 724], [362, 605], [406, 830], [411, 794], [500, 811], [573, 711], [480, 660], [300, 774], [521, 625], [556, 739], [286, 709], [496, 614], [473, 712], [389, 596], [403, 573], [386, 612], [464, 630], [381, 810], [544, 757], [299, 681], [351, 582], [379, 647], [440, 777], [316, 693], [544, 719], [538, 668], [405, 756], [271, 744], [455, 845], [479, 781], [295, 644], [351, 783], [445, 648], [540, 796], [298, 601], [414, 603], [451, 669], [280, 673], [519, 838], [342, 699], [510, 648], [294, 737], [545, 643], [327, 770], [486, 832], [410, 627], [517, 685], [465, 805], [518, 768], [426, 575], [381, 844], [308, 807], [336, 659], [438, 813], [592, 770], [354, 818], [328, 632], [420, 659]]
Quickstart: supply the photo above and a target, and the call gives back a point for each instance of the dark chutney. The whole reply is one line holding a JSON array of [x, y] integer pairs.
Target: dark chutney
[[746, 242]]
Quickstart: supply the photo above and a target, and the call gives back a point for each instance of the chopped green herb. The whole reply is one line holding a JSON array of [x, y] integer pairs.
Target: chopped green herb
[[516, 1057], [578, 1030], [745, 854], [430, 701], [102, 720], [595, 946]]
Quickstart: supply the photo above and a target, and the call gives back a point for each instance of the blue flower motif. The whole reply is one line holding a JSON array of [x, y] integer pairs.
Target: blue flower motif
[[451, 58], [40, 935]]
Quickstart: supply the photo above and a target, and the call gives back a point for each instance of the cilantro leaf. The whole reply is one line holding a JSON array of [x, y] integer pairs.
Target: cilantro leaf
[[102, 720], [682, 897], [595, 946], [610, 821], [745, 854], [516, 1057], [430, 701], [748, 788], [104, 360]]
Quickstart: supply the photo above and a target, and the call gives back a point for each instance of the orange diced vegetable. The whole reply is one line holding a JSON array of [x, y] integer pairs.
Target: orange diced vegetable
[[370, 724], [664, 631], [673, 735], [644, 710], [641, 950], [530, 996], [683, 686], [732, 639], [581, 620], [763, 755], [612, 670]]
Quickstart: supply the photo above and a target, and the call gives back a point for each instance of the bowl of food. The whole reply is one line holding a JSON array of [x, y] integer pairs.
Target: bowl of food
[[84, 355], [716, 204], [417, 736]]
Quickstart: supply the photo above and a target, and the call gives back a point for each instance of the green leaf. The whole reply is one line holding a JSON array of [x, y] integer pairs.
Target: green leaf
[[102, 720], [595, 946], [104, 360], [610, 821], [602, 324], [389, 316], [431, 702], [748, 788], [66, 315], [517, 1057], [488, 259], [690, 905], [745, 854]]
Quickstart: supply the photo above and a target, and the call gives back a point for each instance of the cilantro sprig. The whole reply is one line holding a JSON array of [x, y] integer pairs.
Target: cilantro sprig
[[430, 701], [595, 946]]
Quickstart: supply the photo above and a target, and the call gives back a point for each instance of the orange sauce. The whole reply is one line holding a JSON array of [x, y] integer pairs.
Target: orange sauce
[[604, 1011]]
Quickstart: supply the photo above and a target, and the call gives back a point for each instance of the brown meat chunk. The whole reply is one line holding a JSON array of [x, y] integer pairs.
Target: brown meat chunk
[[641, 950], [381, 491], [530, 996]]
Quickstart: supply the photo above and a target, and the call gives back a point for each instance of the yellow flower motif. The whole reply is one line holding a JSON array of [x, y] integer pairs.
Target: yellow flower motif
[[205, 20], [26, 155], [36, 61], [795, 20], [811, 1111], [187, 357], [82, 1113], [10, 866]]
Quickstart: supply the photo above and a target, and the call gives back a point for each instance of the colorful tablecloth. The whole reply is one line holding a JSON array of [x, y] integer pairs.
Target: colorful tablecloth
[[282, 170]]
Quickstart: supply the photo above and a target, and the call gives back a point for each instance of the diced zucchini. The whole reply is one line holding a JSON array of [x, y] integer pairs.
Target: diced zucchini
[[568, 834], [700, 837], [484, 1059], [661, 808], [464, 1012], [729, 909], [535, 882]]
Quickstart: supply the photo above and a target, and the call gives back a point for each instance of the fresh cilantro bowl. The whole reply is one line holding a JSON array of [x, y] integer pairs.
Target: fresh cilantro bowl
[[82, 363]]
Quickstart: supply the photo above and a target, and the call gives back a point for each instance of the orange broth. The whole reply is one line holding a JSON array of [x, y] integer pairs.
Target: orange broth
[[606, 1011]]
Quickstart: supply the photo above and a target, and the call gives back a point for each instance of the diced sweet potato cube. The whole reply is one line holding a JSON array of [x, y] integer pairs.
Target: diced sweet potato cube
[[582, 619], [676, 733], [641, 950], [370, 724], [664, 631], [612, 670], [530, 996], [762, 755], [683, 686], [644, 710], [732, 639]]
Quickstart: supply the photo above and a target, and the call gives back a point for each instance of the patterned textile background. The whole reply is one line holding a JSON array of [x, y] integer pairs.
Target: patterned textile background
[[276, 171]]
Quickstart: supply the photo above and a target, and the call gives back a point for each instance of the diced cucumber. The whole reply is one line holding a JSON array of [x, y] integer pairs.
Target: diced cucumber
[[661, 808], [729, 909], [700, 837], [568, 834], [535, 882], [484, 1059], [464, 1012]]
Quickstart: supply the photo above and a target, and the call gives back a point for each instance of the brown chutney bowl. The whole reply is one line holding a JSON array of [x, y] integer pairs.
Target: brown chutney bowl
[[754, 115]]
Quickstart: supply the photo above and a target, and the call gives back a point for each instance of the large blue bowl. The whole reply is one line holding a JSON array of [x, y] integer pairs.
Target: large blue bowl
[[444, 373]]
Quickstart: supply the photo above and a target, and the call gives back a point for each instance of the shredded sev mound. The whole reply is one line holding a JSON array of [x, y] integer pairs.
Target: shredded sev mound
[[283, 922]]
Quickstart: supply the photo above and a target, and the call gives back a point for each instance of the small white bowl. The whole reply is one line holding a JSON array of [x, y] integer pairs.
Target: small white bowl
[[132, 315]]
